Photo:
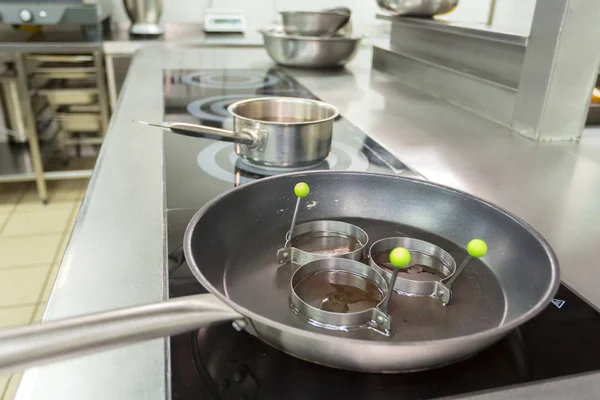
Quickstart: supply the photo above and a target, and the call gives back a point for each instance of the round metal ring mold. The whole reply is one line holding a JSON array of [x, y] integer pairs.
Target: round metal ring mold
[[329, 229], [422, 253], [354, 272]]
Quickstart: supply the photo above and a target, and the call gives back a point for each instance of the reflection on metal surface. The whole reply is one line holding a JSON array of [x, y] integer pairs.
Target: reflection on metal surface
[[230, 79], [207, 161], [217, 107]]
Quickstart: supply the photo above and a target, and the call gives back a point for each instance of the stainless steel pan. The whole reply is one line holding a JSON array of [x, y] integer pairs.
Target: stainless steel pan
[[281, 132], [233, 256]]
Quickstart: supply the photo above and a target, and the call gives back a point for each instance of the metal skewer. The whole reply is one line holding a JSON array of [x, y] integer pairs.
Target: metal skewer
[[399, 258], [476, 248], [301, 190]]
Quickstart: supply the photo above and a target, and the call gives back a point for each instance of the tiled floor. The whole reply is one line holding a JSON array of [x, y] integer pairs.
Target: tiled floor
[[33, 237]]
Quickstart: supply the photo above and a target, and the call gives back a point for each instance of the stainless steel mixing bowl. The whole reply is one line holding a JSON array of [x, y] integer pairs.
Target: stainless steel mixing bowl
[[145, 16], [309, 51], [420, 8], [313, 23]]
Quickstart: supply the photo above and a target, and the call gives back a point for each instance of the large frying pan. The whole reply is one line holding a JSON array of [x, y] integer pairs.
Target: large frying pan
[[230, 246]]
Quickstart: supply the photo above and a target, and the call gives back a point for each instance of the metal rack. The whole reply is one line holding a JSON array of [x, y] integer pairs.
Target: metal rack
[[69, 85]]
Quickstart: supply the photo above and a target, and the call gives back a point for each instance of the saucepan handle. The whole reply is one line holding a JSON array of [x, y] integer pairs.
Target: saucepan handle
[[31, 345], [202, 131]]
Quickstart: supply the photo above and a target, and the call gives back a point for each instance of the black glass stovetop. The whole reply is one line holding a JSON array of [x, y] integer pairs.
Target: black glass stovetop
[[202, 97], [221, 363]]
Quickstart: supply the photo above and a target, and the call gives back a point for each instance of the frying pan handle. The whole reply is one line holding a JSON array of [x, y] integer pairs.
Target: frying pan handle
[[202, 131], [31, 345]]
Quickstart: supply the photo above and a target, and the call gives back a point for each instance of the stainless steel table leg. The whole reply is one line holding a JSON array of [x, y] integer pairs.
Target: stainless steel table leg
[[102, 95], [31, 129], [492, 12], [111, 80]]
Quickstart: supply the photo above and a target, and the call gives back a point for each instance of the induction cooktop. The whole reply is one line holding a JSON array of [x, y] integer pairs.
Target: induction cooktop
[[222, 363]]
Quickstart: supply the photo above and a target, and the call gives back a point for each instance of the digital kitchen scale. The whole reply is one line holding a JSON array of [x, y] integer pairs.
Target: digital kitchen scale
[[221, 363], [217, 20]]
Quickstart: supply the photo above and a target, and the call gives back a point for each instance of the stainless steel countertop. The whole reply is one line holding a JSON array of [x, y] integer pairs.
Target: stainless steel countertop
[[50, 41], [119, 42], [116, 258]]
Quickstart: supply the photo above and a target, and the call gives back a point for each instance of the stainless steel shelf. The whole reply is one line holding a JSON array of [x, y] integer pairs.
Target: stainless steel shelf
[[62, 58], [34, 66], [473, 30], [84, 140], [77, 174], [460, 88], [16, 163], [477, 55]]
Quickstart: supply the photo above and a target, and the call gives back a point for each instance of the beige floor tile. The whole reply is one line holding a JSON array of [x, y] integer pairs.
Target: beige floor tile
[[87, 184], [22, 286], [37, 222], [10, 193], [29, 250], [30, 193], [3, 219], [30, 206], [50, 282], [39, 313], [68, 190], [63, 247], [3, 384], [15, 316], [73, 218], [7, 206], [13, 385], [83, 163]]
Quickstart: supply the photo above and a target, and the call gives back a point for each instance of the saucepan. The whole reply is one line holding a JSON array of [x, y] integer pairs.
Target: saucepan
[[280, 132], [231, 243]]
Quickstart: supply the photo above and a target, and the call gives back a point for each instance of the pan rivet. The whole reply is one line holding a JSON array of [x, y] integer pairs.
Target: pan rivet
[[239, 325], [286, 255], [380, 319]]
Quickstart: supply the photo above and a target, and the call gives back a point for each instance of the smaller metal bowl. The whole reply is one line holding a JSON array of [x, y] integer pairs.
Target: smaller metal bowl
[[309, 23], [339, 294], [309, 51], [435, 263], [418, 8], [324, 239]]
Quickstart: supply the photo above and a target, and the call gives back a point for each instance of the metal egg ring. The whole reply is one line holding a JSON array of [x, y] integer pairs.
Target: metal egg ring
[[422, 253], [355, 273], [300, 257]]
